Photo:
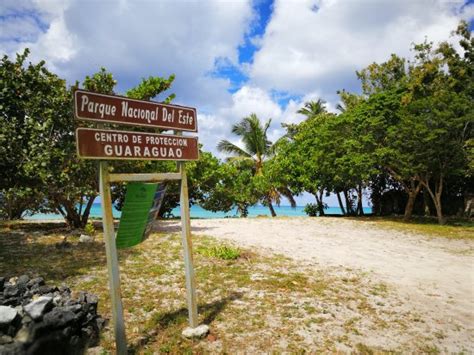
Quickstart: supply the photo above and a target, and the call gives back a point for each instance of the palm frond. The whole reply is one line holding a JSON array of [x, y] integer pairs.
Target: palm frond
[[231, 148]]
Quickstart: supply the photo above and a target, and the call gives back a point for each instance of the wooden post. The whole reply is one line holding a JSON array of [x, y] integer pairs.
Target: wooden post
[[112, 260], [188, 248]]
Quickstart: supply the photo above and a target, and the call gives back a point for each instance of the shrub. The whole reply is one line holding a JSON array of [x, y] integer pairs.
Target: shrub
[[89, 229], [311, 209]]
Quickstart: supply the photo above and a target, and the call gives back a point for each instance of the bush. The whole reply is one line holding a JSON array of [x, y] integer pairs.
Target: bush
[[89, 229], [311, 209]]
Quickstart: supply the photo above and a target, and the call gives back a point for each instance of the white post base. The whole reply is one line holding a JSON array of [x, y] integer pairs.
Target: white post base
[[198, 332]]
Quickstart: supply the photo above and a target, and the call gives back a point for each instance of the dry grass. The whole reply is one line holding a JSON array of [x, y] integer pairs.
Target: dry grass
[[453, 229], [253, 303]]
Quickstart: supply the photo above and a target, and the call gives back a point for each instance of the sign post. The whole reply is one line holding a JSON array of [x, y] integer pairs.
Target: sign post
[[187, 249], [112, 260], [107, 144]]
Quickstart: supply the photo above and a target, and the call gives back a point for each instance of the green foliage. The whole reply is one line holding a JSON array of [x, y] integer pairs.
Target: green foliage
[[89, 229], [311, 209], [223, 252], [31, 99], [151, 87]]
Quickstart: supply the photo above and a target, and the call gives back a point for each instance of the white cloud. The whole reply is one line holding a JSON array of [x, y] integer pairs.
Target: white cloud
[[135, 39], [318, 45]]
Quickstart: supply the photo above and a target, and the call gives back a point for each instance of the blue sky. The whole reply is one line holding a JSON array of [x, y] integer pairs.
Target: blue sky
[[231, 57]]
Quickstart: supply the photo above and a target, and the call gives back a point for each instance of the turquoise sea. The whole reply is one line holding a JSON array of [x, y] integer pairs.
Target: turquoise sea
[[199, 212]]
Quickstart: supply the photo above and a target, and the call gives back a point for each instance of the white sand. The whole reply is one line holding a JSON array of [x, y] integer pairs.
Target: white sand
[[433, 276]]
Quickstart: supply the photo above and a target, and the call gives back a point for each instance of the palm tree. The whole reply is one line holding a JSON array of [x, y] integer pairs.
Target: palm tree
[[313, 108], [254, 137], [256, 149]]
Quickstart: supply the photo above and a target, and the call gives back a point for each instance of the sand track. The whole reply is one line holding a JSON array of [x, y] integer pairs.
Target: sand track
[[433, 276]]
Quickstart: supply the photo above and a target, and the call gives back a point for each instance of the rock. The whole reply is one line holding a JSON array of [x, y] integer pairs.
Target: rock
[[23, 280], [45, 289], [37, 281], [38, 307], [5, 339], [84, 238], [198, 332], [7, 315], [11, 291], [12, 301], [43, 319], [64, 289], [59, 318], [23, 335]]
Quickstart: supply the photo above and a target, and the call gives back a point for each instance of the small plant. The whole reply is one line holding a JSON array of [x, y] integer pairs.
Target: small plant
[[311, 209], [89, 229], [221, 252]]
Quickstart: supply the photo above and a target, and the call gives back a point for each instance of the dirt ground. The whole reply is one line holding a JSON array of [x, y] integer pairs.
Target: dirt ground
[[432, 276]]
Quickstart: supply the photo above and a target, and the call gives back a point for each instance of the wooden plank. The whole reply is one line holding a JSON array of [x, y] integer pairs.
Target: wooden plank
[[109, 144], [187, 246], [91, 106], [112, 260], [144, 177]]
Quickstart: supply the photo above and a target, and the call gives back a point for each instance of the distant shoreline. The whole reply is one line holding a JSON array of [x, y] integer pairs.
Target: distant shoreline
[[197, 212]]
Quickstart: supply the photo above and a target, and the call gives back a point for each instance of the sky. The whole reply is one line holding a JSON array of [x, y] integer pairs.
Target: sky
[[231, 58]]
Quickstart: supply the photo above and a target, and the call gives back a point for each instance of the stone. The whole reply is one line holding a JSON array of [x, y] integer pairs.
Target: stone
[[23, 335], [37, 281], [23, 280], [198, 332], [59, 318], [11, 291], [5, 339], [37, 308], [64, 289], [7, 315], [45, 289], [84, 238], [12, 301]]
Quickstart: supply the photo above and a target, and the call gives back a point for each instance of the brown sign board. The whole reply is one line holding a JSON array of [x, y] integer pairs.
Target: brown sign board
[[91, 106], [126, 145]]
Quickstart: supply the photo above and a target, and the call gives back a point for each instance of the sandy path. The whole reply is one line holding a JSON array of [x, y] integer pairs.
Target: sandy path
[[430, 274]]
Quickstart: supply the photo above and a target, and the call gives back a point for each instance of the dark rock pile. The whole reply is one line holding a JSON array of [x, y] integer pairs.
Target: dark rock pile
[[39, 319]]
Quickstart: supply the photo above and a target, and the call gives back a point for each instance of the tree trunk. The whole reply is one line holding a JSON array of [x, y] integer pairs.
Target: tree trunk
[[72, 218], [360, 209], [87, 210], [341, 206], [270, 206], [349, 209], [320, 203], [426, 203], [436, 197], [409, 206], [412, 192]]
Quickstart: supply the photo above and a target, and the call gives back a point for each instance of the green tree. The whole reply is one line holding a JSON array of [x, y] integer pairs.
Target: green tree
[[31, 99], [256, 149]]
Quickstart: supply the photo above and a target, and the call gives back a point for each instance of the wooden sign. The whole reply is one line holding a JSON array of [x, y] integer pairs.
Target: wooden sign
[[91, 106], [128, 145]]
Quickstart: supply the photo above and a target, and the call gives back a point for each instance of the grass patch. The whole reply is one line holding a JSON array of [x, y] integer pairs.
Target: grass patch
[[223, 252], [453, 229]]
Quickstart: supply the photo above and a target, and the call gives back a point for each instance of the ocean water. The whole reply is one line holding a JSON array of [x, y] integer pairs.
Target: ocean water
[[199, 212]]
